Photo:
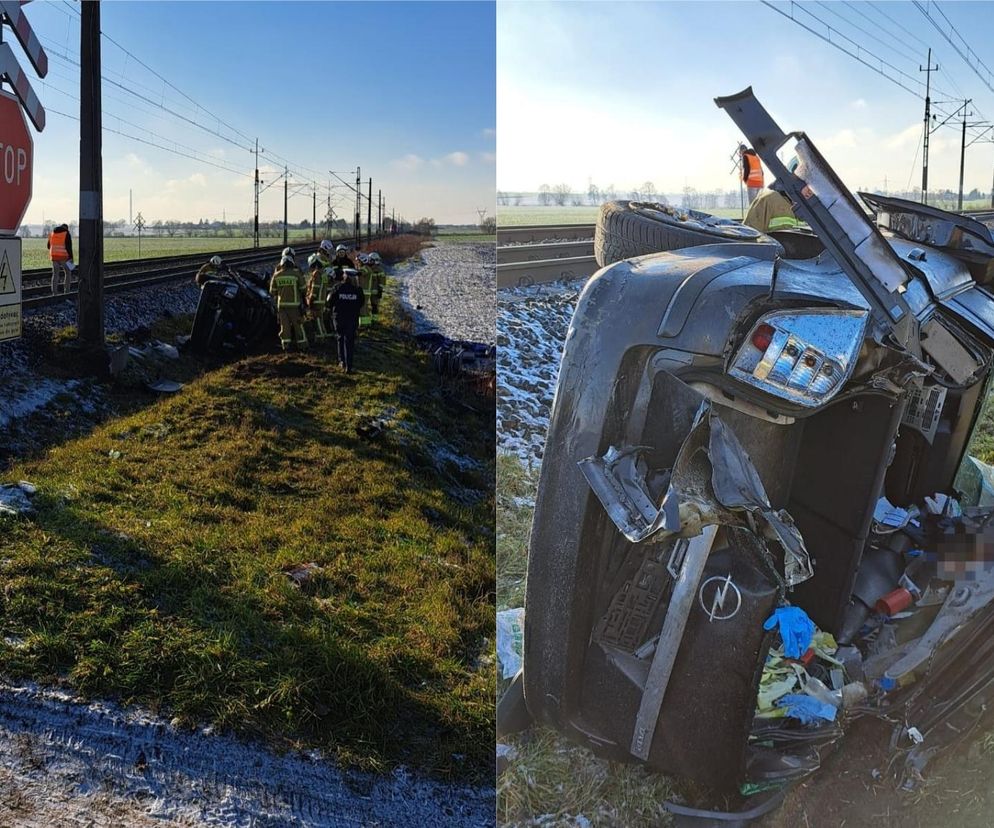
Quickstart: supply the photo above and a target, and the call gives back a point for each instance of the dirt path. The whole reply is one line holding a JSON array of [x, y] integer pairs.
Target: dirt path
[[66, 763]]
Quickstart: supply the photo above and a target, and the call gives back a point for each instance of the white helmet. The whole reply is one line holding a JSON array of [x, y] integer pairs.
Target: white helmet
[[288, 251], [313, 260], [286, 260], [340, 248], [363, 258], [327, 246], [216, 261], [374, 257]]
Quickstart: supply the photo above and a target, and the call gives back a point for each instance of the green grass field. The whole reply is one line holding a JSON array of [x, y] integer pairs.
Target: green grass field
[[156, 569], [118, 248]]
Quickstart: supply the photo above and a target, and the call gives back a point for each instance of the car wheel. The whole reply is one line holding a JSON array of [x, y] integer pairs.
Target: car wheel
[[628, 228]]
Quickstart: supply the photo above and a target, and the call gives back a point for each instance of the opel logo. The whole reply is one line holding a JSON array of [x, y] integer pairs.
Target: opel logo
[[720, 598]]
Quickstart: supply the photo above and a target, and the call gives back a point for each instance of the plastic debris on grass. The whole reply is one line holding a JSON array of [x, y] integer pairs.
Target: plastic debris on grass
[[15, 498], [510, 639]]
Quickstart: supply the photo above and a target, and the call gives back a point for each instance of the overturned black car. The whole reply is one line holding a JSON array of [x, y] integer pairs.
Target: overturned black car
[[235, 311], [754, 520]]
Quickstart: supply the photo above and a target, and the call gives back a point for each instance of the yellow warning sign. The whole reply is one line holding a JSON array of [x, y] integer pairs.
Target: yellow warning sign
[[10, 288]]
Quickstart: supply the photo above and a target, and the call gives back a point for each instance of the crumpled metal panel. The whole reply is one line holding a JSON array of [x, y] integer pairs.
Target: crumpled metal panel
[[713, 481]]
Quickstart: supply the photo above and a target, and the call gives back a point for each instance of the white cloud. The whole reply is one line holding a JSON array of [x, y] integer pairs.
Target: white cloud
[[488, 157], [409, 162], [457, 159], [859, 103]]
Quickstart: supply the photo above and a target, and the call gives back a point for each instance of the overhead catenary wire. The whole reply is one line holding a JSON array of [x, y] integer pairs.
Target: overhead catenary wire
[[971, 58]]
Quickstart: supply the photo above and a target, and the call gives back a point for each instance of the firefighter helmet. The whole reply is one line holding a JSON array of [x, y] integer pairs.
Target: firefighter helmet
[[216, 261]]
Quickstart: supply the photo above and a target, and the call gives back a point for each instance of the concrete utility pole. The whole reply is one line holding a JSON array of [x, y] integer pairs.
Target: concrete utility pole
[[369, 214], [255, 231], [962, 158], [928, 70], [90, 313], [379, 211], [314, 214], [286, 178], [358, 207]]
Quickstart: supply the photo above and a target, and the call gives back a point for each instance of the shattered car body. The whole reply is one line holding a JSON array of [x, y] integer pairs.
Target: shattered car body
[[728, 422], [234, 312]]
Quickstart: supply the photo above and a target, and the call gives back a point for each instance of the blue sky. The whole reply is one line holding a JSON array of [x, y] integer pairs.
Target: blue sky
[[405, 90], [623, 92]]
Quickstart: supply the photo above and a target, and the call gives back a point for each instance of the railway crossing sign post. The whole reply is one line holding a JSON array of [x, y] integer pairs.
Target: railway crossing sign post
[[16, 157], [10, 288]]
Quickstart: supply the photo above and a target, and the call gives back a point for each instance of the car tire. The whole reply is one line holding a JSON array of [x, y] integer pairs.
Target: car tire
[[626, 228]]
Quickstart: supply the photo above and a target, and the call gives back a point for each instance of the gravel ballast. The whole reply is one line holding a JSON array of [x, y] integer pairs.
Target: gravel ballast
[[450, 289]]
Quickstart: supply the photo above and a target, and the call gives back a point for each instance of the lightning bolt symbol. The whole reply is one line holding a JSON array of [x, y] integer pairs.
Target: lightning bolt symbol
[[719, 597]]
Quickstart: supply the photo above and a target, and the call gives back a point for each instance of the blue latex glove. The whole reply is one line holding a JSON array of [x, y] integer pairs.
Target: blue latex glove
[[796, 629], [806, 708]]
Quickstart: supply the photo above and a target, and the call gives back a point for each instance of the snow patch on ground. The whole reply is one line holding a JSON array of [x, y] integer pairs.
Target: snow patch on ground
[[63, 762], [450, 289], [532, 323]]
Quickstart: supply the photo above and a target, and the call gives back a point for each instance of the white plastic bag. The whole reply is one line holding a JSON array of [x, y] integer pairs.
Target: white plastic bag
[[510, 640]]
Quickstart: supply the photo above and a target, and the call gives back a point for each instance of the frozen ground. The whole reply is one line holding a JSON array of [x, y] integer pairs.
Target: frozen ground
[[122, 312], [451, 289], [532, 323], [67, 763]]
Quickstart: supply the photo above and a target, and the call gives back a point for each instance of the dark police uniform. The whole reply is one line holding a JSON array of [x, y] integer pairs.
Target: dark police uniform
[[345, 301]]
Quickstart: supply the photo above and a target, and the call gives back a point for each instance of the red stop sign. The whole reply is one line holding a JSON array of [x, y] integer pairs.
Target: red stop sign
[[16, 160]]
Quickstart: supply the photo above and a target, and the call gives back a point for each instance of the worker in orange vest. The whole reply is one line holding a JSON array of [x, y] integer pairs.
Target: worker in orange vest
[[752, 171], [60, 252]]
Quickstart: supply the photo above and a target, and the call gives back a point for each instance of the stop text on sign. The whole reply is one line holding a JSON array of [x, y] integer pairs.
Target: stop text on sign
[[14, 164]]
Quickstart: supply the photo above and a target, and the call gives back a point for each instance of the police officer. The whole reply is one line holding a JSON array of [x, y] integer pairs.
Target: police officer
[[285, 287], [345, 300], [318, 285]]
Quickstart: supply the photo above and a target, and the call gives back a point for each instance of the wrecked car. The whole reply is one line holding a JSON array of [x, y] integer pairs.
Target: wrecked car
[[749, 527], [235, 311]]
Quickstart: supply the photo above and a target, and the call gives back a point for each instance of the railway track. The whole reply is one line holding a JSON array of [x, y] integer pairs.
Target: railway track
[[129, 274], [529, 234], [544, 253]]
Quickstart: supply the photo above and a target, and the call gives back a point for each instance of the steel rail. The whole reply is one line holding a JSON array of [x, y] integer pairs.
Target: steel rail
[[524, 274], [538, 252], [536, 233], [157, 272]]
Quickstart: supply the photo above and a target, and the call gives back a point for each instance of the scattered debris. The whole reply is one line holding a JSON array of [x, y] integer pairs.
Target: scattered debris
[[301, 574], [15, 499], [510, 638]]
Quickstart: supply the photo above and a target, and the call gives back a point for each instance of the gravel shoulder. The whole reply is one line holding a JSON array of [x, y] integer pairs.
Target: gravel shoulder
[[450, 289]]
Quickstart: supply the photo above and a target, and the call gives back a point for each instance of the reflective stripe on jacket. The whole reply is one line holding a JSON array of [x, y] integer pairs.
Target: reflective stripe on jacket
[[57, 246]]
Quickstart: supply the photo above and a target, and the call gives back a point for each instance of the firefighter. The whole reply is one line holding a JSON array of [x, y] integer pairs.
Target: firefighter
[[214, 268], [326, 251], [379, 281], [771, 211], [345, 301], [752, 171], [342, 258], [285, 287], [318, 286], [367, 281], [60, 252]]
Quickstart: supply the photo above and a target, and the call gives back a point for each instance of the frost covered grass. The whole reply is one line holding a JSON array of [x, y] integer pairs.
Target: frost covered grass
[[158, 567], [552, 782]]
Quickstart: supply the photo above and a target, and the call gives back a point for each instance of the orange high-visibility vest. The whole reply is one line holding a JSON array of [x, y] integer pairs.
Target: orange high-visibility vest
[[57, 245], [755, 178]]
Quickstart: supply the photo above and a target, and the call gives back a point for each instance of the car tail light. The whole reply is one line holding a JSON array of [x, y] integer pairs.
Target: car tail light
[[804, 356]]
